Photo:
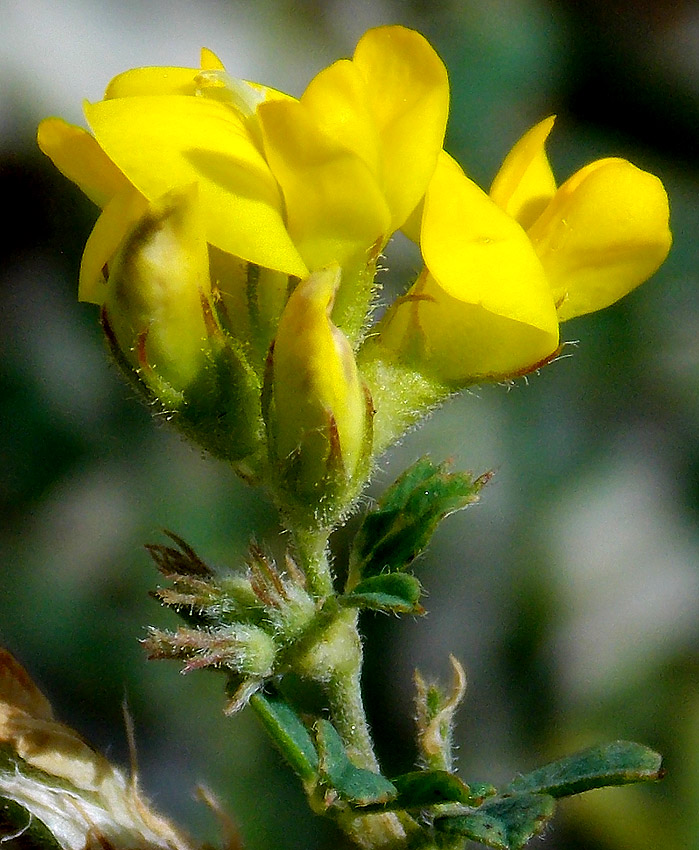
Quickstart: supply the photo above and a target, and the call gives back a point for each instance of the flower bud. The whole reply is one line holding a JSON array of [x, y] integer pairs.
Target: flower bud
[[156, 289], [161, 327], [318, 416], [249, 302]]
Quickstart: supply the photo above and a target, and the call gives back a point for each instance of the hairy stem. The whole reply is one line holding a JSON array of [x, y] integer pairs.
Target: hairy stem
[[312, 552]]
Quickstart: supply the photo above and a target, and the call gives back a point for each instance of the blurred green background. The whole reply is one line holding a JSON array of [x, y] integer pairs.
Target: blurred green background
[[570, 594]]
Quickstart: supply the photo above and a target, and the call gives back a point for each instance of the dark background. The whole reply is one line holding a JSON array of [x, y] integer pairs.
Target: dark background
[[570, 594]]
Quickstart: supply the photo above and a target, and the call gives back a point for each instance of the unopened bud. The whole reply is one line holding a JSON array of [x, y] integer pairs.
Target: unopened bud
[[160, 322], [157, 288], [318, 417]]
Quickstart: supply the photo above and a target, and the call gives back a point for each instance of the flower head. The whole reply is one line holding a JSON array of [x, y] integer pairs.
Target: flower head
[[280, 189], [297, 198]]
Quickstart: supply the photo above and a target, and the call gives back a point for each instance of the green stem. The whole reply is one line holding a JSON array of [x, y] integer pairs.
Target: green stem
[[312, 552], [349, 718], [345, 696]]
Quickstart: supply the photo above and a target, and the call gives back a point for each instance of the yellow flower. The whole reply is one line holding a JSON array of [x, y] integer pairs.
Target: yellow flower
[[286, 185], [482, 308], [502, 271]]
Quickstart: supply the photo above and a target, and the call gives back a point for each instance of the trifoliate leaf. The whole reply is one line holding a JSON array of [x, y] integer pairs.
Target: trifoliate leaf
[[407, 515]]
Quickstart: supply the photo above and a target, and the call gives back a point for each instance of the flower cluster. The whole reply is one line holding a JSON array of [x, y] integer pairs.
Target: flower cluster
[[235, 255]]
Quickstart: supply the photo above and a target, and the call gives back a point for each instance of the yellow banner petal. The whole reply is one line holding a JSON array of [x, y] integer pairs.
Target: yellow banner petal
[[76, 154], [335, 210], [337, 99], [163, 142], [525, 183], [604, 233], [408, 91]]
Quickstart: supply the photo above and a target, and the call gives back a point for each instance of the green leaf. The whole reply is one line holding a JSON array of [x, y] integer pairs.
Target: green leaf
[[353, 784], [422, 788], [506, 823], [618, 763], [407, 515], [397, 592], [288, 732]]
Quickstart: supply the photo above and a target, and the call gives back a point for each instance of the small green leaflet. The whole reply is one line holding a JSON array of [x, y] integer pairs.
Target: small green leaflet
[[618, 763]]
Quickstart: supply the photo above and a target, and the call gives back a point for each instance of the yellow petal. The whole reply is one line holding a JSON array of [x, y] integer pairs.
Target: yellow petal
[[337, 100], [163, 142], [525, 183], [459, 342], [408, 92], [209, 61], [76, 154], [153, 81], [604, 233], [117, 218], [335, 210], [479, 255]]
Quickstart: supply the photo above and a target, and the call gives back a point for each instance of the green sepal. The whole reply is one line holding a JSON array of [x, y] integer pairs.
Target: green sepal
[[618, 763], [30, 832], [506, 823], [221, 408], [288, 732], [354, 785], [395, 592], [407, 515]]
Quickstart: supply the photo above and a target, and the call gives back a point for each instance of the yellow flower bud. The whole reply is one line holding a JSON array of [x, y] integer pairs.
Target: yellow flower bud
[[319, 408], [160, 321], [159, 289]]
